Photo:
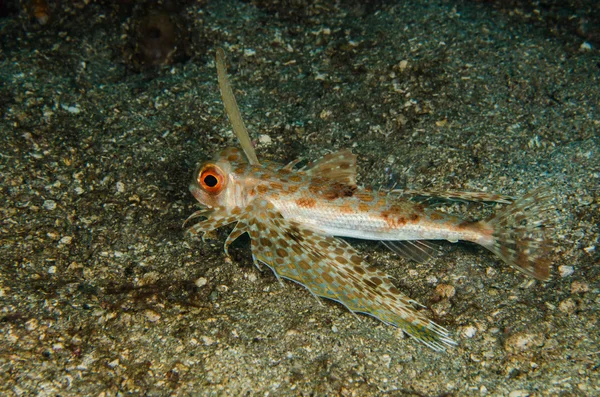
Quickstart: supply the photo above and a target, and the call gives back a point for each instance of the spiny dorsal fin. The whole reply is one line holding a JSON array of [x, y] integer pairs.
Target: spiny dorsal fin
[[339, 166], [431, 196]]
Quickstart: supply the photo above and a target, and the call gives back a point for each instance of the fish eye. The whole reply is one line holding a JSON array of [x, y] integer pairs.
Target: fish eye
[[211, 179]]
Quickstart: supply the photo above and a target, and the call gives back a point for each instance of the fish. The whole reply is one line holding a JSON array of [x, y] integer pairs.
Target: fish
[[297, 217]]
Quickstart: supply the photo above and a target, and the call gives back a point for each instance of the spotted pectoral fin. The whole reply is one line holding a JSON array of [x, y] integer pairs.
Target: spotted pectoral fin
[[329, 267], [433, 196], [339, 166]]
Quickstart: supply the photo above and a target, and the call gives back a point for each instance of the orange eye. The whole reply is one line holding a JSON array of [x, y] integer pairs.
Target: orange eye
[[211, 179]]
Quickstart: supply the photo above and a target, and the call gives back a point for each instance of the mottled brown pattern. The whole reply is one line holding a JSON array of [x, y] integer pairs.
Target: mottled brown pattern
[[291, 188], [337, 190], [306, 202], [366, 197]]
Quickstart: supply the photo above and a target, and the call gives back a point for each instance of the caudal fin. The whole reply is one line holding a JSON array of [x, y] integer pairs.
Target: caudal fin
[[520, 234]]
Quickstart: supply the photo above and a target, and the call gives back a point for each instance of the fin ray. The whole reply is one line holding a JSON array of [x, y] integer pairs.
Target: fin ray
[[520, 234], [339, 166], [416, 250], [476, 197]]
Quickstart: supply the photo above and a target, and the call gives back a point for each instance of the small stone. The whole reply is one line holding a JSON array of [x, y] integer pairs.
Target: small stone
[[565, 271], [441, 308], [469, 331], [52, 270], [120, 187], [114, 363], [65, 240], [152, 316], [432, 279], [445, 290], [252, 277], [264, 139], [403, 65], [31, 324], [579, 287], [386, 359], [518, 393], [50, 205], [201, 282], [325, 114], [585, 46], [567, 306], [522, 341], [590, 249]]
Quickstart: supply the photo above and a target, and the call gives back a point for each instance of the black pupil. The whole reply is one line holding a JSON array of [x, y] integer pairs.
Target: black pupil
[[210, 181]]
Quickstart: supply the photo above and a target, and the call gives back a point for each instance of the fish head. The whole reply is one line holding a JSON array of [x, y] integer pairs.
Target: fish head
[[214, 183]]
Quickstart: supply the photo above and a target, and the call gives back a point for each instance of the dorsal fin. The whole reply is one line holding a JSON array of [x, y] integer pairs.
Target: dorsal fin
[[339, 166], [232, 109]]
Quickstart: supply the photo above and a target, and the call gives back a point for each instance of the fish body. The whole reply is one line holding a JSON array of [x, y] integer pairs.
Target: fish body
[[294, 218]]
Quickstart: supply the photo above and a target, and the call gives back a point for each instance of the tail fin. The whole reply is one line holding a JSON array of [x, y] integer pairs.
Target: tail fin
[[520, 237]]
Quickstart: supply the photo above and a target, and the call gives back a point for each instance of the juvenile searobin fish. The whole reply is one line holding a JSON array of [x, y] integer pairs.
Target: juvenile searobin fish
[[295, 216]]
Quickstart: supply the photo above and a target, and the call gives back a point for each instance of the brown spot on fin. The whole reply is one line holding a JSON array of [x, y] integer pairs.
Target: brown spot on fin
[[339, 166], [232, 154], [337, 190]]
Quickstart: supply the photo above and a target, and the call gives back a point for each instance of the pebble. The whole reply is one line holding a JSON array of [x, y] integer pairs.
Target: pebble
[[65, 240], [152, 316], [50, 205], [522, 341], [201, 282], [264, 139], [518, 393], [579, 287], [445, 290], [386, 359], [565, 271], [252, 277], [469, 331], [567, 306]]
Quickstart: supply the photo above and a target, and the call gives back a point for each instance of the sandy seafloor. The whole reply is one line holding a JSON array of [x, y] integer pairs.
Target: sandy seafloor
[[102, 293]]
